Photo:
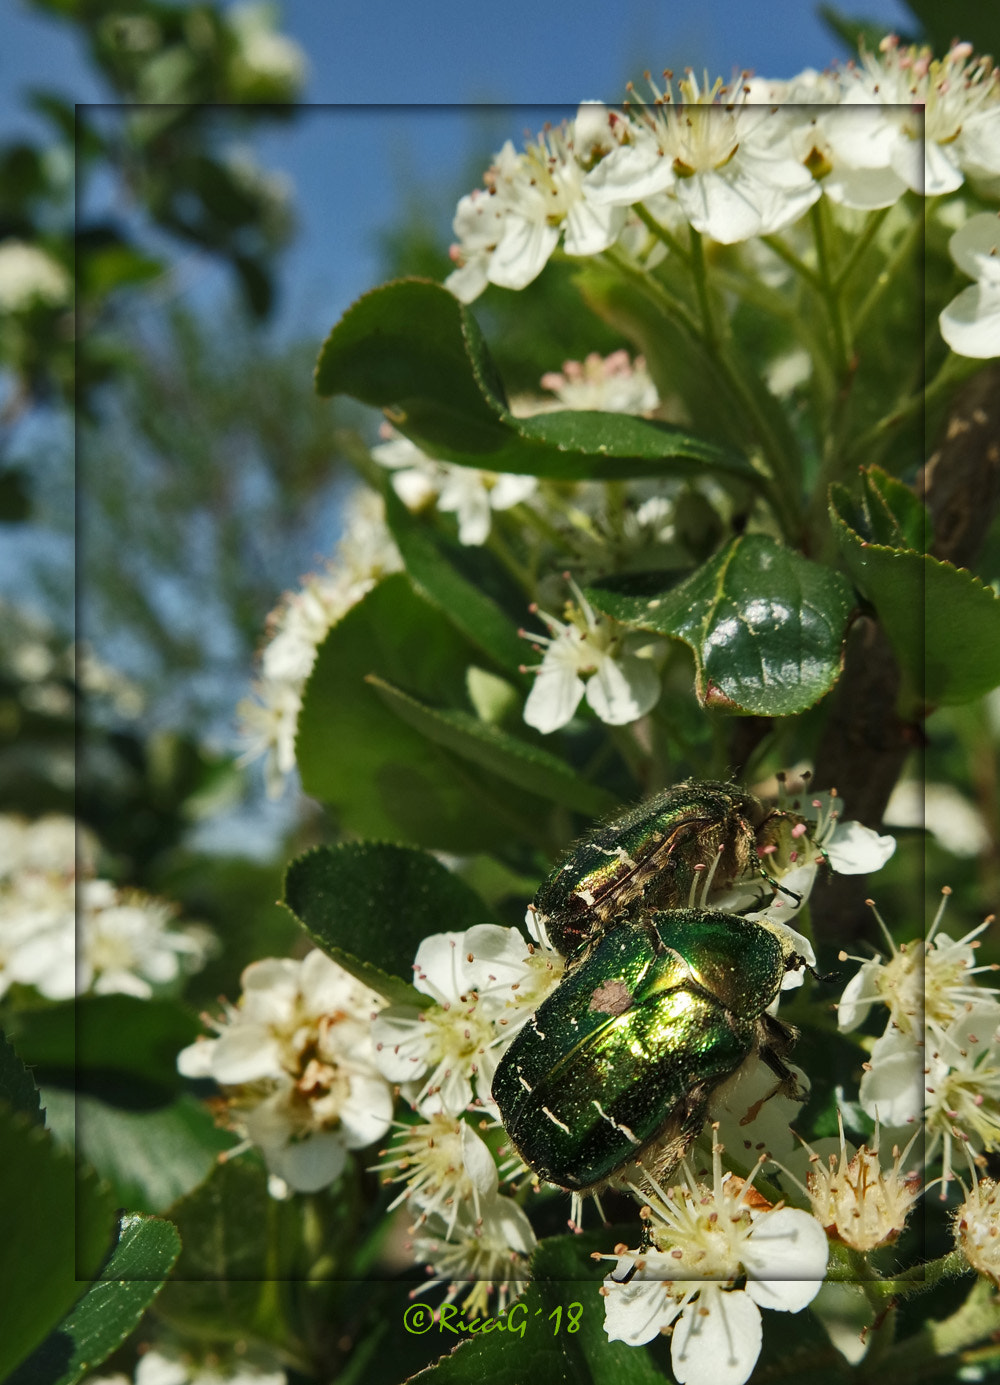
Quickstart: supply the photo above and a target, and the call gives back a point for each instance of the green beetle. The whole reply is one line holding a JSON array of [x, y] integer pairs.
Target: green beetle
[[628, 1049], [652, 857]]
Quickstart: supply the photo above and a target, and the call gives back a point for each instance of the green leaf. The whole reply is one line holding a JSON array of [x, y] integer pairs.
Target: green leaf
[[46, 1248], [892, 513], [383, 778], [528, 766], [766, 625], [563, 1342], [942, 622], [412, 349], [369, 906], [971, 20], [116, 1046], [239, 1244], [17, 1086], [110, 1309], [429, 563], [153, 1157]]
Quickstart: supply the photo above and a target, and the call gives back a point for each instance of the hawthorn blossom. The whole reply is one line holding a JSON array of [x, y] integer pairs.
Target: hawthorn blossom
[[808, 834], [443, 1165], [702, 1239], [613, 384], [484, 984], [844, 146], [938, 1059], [970, 324], [296, 1064], [940, 117], [128, 944], [859, 1202], [533, 200], [731, 169], [976, 1225], [622, 680], [482, 1255], [297, 627], [466, 492]]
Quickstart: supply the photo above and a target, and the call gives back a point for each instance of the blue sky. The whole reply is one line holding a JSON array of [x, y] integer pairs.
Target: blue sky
[[400, 79]]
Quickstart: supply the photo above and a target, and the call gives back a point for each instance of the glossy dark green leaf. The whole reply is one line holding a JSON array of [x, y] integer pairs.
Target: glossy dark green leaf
[[529, 767], [369, 905], [382, 778], [17, 1086], [150, 1157], [55, 1228], [110, 1309], [942, 622], [412, 349], [766, 625], [476, 615], [555, 1333]]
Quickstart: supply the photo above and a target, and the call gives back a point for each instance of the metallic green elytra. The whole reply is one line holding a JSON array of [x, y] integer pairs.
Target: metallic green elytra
[[651, 857], [633, 1041]]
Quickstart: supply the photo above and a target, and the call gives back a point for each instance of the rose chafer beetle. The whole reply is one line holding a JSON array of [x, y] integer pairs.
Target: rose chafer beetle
[[628, 1049], [681, 843]]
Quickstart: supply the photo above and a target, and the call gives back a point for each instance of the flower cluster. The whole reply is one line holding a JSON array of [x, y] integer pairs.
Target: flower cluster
[[127, 940], [269, 719], [746, 161], [296, 1064], [483, 984], [938, 1058]]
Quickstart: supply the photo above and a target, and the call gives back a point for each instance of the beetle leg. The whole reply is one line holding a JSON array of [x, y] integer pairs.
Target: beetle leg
[[778, 1039]]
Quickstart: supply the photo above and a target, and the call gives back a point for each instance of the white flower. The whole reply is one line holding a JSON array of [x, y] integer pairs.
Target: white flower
[[941, 115], [962, 1085], [443, 1165], [482, 1255], [726, 162], [623, 682], [970, 324], [612, 384], [944, 812], [805, 835], [931, 975], [534, 199], [754, 1114], [977, 1226], [269, 720], [127, 945], [859, 1202], [297, 1059], [846, 147], [702, 1239], [485, 983], [28, 276], [468, 493]]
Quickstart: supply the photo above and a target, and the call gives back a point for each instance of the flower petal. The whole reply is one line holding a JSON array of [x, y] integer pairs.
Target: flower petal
[[717, 1340], [786, 1255]]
